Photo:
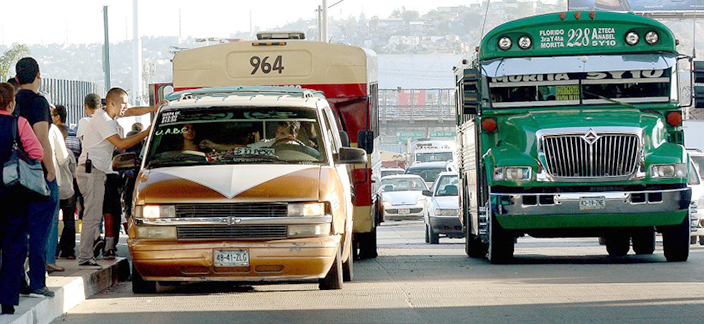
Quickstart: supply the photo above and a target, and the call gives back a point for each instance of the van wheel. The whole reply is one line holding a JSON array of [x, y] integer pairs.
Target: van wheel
[[141, 286], [433, 238], [333, 280], [348, 266], [617, 244], [427, 235], [675, 241], [644, 242]]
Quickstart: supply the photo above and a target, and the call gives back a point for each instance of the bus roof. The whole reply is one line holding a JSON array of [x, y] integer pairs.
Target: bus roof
[[576, 33], [290, 62]]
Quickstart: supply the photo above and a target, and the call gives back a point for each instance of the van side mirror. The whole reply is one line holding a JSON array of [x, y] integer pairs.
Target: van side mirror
[[365, 140], [427, 193], [470, 91], [124, 162], [345, 139], [351, 155]]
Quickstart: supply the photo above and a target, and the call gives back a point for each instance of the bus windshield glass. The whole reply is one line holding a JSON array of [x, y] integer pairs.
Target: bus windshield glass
[[233, 135], [433, 156]]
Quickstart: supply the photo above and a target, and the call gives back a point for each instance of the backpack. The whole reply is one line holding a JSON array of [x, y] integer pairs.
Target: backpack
[[67, 172]]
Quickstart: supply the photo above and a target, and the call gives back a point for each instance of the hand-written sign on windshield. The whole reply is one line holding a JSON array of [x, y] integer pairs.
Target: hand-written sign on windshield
[[577, 37], [570, 92], [238, 152]]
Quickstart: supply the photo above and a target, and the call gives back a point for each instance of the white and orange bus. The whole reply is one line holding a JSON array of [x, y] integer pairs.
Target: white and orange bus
[[347, 75]]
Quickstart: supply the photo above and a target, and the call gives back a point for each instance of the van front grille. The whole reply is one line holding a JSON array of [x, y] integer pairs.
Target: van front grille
[[232, 210], [231, 231]]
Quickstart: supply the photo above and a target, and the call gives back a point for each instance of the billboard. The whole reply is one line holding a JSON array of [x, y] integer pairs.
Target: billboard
[[636, 5]]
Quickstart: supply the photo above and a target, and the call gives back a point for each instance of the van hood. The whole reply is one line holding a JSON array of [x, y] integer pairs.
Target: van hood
[[229, 183]]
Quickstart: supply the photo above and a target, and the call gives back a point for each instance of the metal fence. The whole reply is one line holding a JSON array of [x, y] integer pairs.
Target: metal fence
[[416, 105], [71, 94]]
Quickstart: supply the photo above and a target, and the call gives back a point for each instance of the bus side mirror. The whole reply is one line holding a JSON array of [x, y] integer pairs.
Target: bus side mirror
[[698, 96], [698, 71], [365, 140], [470, 91]]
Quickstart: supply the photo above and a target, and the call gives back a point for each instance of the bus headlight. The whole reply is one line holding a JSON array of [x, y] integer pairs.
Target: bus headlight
[[505, 43], [674, 170], [308, 230], [306, 209], [155, 211], [521, 173], [156, 232], [652, 37], [632, 38], [525, 42]]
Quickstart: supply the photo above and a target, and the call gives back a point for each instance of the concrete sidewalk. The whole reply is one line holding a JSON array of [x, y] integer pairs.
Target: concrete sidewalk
[[71, 287]]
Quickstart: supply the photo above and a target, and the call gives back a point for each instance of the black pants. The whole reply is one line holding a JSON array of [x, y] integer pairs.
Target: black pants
[[13, 237], [112, 208], [67, 243]]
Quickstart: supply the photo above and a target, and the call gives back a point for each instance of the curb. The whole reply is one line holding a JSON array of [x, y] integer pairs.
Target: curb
[[69, 291]]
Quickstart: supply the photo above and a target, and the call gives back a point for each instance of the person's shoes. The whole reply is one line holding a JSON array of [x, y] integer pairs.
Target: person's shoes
[[109, 255], [98, 247], [24, 290], [8, 309], [71, 257], [90, 263], [41, 292], [51, 267]]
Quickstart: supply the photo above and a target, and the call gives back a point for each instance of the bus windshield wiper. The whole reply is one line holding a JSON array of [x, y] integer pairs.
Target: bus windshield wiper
[[609, 99]]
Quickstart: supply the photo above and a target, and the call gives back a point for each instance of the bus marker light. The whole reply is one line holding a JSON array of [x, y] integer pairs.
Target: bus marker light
[[524, 42], [562, 16], [505, 43], [592, 15], [652, 37], [674, 118], [577, 14], [632, 38], [489, 124]]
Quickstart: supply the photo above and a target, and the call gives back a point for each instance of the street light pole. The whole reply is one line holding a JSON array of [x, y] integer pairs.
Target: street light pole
[[324, 34]]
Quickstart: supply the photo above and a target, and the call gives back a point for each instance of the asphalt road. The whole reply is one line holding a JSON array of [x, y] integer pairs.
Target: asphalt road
[[551, 281]]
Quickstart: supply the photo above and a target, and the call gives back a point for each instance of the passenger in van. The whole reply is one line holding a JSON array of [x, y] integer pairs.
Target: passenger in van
[[286, 133], [189, 138]]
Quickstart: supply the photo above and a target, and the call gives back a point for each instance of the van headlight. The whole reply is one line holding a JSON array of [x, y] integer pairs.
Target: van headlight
[[155, 211], [308, 230], [672, 170], [156, 232], [519, 173], [306, 209]]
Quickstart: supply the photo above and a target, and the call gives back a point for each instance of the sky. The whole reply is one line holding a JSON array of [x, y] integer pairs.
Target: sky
[[81, 21]]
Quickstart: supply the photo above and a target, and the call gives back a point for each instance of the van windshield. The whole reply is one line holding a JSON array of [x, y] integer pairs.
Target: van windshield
[[227, 135]]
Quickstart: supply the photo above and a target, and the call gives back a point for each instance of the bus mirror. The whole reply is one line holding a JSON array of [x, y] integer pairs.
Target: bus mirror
[[365, 140], [698, 71], [698, 96], [345, 139], [470, 89]]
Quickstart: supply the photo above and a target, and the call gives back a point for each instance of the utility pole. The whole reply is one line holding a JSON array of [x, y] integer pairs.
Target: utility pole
[[319, 14], [106, 50], [136, 56], [324, 34]]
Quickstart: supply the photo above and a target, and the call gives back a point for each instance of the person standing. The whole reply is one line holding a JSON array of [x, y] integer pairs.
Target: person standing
[[35, 108], [67, 243], [15, 206], [91, 103], [99, 141]]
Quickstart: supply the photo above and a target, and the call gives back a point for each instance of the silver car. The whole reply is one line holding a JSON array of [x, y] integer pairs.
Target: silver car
[[402, 197], [442, 217]]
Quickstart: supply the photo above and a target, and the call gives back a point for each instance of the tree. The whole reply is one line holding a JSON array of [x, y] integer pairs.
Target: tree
[[10, 58]]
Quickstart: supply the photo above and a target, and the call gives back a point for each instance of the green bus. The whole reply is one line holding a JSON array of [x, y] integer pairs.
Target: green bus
[[570, 125]]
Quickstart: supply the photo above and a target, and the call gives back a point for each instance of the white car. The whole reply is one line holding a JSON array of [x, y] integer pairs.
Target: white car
[[696, 208], [442, 217], [402, 197]]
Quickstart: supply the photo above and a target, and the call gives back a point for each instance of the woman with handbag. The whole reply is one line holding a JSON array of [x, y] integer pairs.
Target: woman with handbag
[[14, 202]]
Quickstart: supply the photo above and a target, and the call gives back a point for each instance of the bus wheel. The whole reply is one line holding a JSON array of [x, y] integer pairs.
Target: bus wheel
[[141, 286], [501, 244], [473, 246], [333, 280], [617, 244], [675, 241], [644, 241], [367, 245]]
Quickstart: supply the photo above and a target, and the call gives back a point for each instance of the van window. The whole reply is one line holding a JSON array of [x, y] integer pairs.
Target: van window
[[234, 135]]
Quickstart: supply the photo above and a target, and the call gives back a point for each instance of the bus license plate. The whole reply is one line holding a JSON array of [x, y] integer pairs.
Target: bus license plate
[[231, 258], [592, 203]]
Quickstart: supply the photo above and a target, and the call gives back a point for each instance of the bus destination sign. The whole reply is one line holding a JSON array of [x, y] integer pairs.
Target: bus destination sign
[[577, 37]]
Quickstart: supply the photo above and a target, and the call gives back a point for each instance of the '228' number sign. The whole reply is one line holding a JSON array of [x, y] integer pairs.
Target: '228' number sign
[[261, 64]]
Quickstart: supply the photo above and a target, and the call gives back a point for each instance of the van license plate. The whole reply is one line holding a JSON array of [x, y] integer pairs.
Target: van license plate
[[231, 258], [592, 203], [404, 211]]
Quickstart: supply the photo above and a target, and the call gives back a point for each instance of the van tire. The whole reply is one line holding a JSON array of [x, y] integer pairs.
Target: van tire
[[141, 286], [433, 238], [333, 280], [348, 266]]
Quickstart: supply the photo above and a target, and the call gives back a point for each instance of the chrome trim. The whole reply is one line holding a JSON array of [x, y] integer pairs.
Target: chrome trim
[[236, 221]]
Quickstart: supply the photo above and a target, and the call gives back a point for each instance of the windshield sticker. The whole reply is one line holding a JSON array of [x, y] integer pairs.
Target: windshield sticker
[[170, 117], [169, 131], [239, 152], [578, 37]]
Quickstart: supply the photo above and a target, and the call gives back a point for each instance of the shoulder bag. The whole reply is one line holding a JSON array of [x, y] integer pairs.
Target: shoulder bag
[[22, 173]]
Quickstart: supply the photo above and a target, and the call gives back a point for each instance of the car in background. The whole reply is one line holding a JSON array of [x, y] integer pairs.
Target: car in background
[[696, 207], [442, 216], [391, 171], [401, 197], [429, 171]]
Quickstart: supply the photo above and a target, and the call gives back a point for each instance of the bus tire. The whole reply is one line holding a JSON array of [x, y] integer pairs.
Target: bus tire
[[141, 286], [617, 245], [367, 245], [675, 241], [501, 244], [474, 247], [644, 242], [333, 280]]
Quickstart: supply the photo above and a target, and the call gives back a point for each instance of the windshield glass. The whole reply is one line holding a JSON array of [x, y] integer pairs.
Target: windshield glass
[[433, 156], [447, 186], [390, 172], [557, 89], [699, 161], [428, 175], [235, 135], [402, 184]]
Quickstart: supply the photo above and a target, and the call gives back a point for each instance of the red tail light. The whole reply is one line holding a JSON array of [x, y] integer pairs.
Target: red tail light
[[489, 124], [674, 118]]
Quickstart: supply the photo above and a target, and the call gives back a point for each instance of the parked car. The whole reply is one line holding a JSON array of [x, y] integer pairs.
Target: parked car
[[696, 208], [442, 216], [402, 197], [429, 171]]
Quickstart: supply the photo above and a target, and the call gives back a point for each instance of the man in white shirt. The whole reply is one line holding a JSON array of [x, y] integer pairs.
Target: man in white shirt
[[90, 104], [100, 139]]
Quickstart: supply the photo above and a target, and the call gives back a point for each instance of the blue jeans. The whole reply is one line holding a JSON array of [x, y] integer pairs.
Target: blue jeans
[[53, 239], [41, 215]]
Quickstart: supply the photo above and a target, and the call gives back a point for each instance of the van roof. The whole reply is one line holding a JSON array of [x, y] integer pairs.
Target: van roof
[[258, 96]]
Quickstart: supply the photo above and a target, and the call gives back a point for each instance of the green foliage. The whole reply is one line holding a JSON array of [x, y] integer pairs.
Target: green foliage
[[10, 58]]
